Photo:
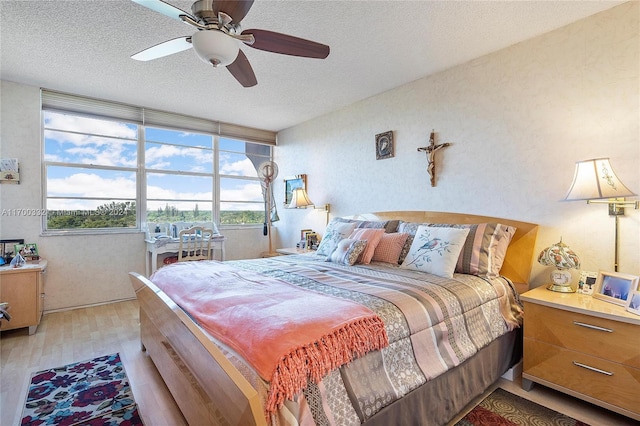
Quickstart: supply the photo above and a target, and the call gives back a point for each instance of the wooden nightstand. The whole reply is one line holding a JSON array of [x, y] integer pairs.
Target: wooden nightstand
[[293, 250], [585, 347], [23, 289]]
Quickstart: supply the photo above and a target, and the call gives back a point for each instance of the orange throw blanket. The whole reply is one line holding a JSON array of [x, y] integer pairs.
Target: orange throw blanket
[[288, 334]]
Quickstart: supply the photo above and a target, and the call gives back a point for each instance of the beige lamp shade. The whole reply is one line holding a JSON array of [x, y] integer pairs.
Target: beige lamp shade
[[300, 199], [595, 179]]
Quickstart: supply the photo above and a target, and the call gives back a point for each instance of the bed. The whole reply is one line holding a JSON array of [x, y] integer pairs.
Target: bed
[[417, 371]]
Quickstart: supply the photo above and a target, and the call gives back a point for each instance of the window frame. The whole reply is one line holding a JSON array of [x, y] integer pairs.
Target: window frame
[[91, 108]]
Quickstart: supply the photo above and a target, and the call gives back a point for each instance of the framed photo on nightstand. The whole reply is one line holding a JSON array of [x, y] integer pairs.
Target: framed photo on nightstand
[[633, 305], [614, 287], [586, 282]]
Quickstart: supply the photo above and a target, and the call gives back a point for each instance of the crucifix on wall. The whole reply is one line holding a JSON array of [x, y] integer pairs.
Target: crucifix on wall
[[431, 155]]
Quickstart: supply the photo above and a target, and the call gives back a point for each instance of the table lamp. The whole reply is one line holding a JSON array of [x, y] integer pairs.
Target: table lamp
[[562, 258]]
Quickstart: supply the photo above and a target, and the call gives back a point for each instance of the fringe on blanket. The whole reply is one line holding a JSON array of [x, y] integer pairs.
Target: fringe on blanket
[[315, 360]]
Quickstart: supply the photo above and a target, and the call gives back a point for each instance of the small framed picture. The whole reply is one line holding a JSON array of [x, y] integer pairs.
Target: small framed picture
[[29, 251], [299, 181], [614, 287], [312, 241], [586, 282], [8, 247], [633, 305], [384, 145]]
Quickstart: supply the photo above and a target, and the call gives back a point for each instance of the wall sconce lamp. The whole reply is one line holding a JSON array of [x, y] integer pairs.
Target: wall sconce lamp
[[300, 200], [562, 258], [595, 181]]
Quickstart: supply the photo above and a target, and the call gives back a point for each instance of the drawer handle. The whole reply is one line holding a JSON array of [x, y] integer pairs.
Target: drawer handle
[[594, 327], [588, 367]]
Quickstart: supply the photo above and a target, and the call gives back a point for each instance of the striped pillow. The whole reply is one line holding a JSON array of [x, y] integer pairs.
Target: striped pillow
[[485, 248], [373, 237], [390, 247]]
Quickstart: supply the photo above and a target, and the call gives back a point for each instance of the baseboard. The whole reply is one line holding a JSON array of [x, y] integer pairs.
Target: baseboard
[[514, 372], [71, 308]]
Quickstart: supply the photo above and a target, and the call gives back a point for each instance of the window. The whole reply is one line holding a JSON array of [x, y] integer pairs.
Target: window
[[179, 175], [90, 166], [110, 167], [241, 196]]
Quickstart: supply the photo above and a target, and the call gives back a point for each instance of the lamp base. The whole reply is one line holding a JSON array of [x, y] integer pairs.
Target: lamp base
[[561, 288]]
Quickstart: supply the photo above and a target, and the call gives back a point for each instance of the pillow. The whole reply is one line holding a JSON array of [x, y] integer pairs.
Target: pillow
[[388, 226], [347, 251], [409, 228], [373, 237], [485, 248], [390, 247], [336, 231], [436, 250]]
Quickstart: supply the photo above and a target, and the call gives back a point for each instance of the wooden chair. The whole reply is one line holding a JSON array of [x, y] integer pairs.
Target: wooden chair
[[195, 244]]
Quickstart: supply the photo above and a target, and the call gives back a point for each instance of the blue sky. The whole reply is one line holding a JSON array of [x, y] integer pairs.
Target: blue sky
[[102, 142]]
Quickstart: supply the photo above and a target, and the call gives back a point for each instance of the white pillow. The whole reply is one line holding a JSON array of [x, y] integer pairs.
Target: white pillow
[[435, 250], [335, 232], [348, 251]]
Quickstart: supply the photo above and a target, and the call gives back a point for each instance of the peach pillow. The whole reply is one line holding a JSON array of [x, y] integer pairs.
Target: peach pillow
[[372, 236], [390, 247]]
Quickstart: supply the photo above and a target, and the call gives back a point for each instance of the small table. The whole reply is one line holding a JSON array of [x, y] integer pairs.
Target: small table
[[23, 289], [157, 246]]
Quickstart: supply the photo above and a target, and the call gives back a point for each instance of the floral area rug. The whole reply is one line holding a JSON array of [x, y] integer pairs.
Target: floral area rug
[[94, 392], [502, 408]]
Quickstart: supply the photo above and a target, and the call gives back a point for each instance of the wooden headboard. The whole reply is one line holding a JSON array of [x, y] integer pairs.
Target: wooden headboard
[[519, 259]]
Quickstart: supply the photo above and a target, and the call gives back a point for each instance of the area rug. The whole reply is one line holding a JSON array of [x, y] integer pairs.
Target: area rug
[[94, 392], [502, 408]]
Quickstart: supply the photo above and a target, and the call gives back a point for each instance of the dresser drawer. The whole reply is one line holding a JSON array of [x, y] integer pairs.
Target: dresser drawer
[[612, 340], [614, 383]]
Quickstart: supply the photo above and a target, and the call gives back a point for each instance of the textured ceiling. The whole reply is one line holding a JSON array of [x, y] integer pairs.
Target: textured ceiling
[[84, 47]]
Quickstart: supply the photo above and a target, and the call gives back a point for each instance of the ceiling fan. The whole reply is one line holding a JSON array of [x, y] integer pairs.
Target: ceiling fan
[[218, 36]]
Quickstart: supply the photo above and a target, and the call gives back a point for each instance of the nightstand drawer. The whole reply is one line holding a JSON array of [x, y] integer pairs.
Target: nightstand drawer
[[606, 381], [613, 340]]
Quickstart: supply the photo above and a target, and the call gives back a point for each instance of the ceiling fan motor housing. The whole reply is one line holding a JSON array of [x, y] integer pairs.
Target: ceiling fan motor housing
[[215, 47]]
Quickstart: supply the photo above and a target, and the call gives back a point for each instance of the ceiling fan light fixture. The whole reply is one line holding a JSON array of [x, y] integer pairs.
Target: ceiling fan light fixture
[[215, 47]]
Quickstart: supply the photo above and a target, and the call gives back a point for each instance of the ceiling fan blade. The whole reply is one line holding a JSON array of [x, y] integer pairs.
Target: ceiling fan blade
[[237, 9], [287, 45], [166, 48], [162, 7], [242, 71]]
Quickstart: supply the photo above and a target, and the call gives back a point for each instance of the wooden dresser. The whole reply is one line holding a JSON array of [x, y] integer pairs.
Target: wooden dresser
[[23, 289], [585, 347]]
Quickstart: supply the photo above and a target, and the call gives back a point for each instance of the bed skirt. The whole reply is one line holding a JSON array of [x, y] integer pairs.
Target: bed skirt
[[438, 401]]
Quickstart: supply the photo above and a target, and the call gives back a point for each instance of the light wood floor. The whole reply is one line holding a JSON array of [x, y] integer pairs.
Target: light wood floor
[[81, 334]]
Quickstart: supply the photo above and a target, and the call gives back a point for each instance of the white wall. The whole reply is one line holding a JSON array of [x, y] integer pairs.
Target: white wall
[[518, 120], [82, 269]]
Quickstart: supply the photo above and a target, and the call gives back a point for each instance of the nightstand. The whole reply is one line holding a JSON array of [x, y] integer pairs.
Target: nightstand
[[585, 347], [293, 250], [23, 289]]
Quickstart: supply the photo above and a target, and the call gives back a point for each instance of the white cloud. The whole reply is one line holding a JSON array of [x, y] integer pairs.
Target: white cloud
[[92, 126], [92, 185], [238, 168]]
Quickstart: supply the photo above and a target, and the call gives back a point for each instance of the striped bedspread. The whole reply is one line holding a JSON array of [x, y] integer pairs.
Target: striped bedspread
[[433, 325]]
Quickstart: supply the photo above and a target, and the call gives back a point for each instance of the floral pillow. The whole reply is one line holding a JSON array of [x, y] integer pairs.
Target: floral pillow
[[435, 250], [409, 228], [347, 251], [335, 232]]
